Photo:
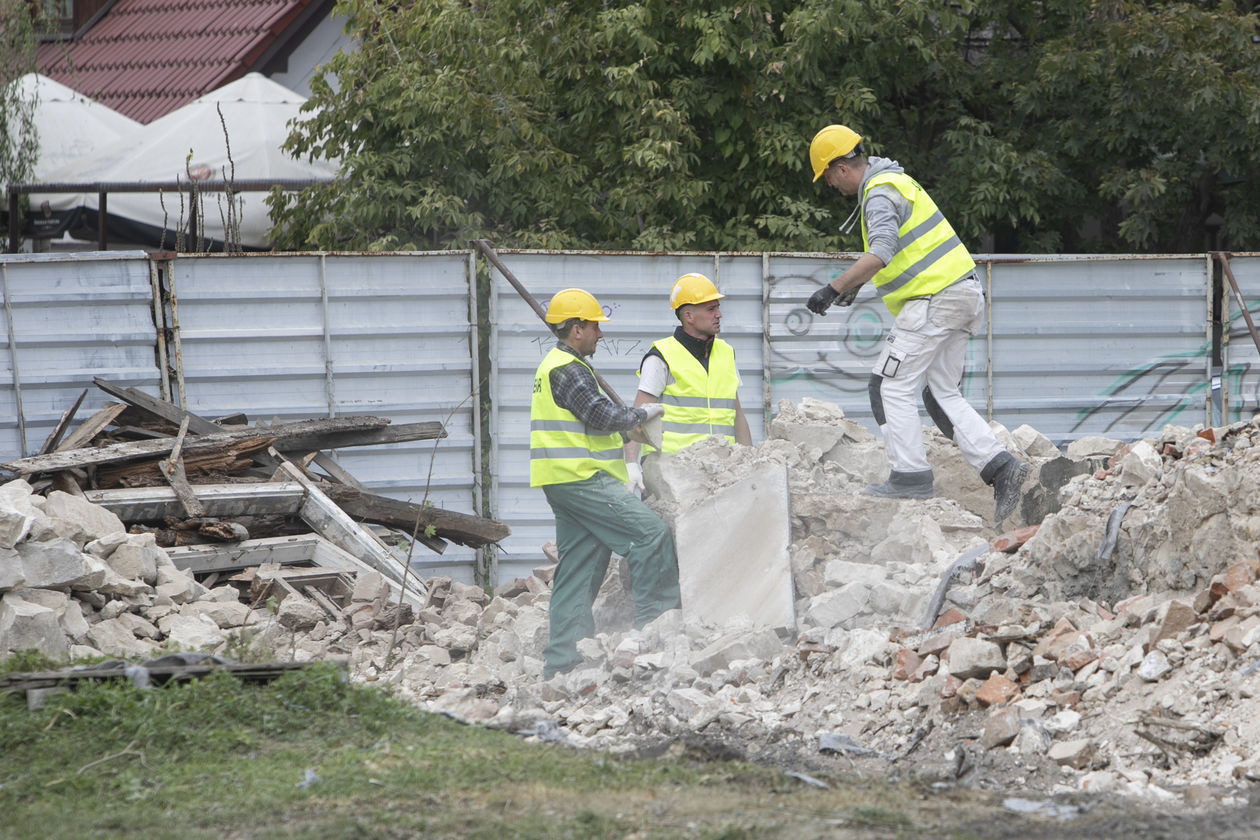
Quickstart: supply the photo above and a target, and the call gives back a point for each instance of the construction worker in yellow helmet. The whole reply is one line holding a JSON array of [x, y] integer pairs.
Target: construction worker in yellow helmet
[[693, 375], [927, 280], [576, 435]]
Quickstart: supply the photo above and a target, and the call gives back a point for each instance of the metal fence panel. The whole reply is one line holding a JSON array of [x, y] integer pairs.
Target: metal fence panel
[[1113, 346], [1241, 375], [634, 291], [68, 319], [286, 337]]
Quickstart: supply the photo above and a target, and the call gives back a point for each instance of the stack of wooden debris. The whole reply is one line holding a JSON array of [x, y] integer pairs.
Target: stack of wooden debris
[[224, 495]]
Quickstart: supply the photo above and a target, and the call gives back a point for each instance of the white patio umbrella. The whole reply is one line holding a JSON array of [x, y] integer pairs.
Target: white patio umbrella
[[67, 126], [231, 134]]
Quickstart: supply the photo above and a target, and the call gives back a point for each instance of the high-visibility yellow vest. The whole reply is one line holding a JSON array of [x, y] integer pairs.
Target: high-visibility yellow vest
[[697, 403], [931, 256], [561, 448]]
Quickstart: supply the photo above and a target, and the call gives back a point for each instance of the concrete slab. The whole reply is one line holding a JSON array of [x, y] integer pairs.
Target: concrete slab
[[733, 552]]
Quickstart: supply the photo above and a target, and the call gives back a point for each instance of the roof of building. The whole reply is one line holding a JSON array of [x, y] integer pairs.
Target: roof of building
[[145, 58]]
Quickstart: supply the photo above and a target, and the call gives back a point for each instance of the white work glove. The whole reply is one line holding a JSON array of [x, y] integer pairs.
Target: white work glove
[[635, 481], [653, 410]]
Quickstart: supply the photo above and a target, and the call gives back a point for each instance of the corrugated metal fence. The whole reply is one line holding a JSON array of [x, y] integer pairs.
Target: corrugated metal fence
[[1111, 345]]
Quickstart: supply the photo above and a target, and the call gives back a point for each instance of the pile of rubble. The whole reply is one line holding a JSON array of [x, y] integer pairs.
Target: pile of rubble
[[1106, 643]]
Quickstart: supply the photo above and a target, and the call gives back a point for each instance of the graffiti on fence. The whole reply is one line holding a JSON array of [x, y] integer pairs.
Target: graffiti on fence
[[1147, 398], [854, 337]]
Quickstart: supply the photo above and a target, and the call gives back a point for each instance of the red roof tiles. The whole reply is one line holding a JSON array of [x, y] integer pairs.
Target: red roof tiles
[[145, 58]]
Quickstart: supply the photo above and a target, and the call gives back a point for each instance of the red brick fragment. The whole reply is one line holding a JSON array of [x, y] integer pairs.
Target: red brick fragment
[[997, 690], [950, 616], [905, 664], [1010, 542]]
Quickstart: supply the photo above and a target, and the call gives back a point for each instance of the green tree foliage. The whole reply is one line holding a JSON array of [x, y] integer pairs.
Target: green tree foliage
[[1083, 125], [19, 140]]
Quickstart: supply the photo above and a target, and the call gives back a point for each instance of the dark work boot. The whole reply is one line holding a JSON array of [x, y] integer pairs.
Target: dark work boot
[[1007, 475], [903, 485]]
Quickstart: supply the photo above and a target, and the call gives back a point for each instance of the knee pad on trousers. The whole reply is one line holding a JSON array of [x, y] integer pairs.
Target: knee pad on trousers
[[938, 415], [877, 400]]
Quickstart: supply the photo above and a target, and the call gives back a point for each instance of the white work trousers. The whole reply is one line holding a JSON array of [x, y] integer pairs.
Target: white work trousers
[[928, 346]]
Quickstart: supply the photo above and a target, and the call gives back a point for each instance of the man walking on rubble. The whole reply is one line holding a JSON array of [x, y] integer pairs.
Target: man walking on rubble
[[693, 375], [575, 456], [927, 280]]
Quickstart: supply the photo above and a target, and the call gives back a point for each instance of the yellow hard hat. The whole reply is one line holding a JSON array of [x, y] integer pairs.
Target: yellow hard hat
[[574, 303], [693, 288], [832, 142]]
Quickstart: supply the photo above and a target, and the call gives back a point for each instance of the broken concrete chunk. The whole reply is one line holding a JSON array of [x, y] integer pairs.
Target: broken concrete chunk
[[51, 564], [1077, 754], [16, 515], [137, 558], [78, 519], [1000, 728], [1092, 446], [27, 625], [1154, 666], [970, 657], [298, 613], [755, 644]]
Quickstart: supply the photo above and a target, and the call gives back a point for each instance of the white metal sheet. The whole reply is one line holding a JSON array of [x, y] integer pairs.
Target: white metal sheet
[[1114, 346], [74, 317]]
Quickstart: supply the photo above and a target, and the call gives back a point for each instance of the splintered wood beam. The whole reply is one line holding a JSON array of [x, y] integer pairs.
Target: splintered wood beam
[[172, 470], [435, 544], [231, 459], [368, 437], [67, 418], [462, 528], [295, 435], [169, 412], [91, 427]]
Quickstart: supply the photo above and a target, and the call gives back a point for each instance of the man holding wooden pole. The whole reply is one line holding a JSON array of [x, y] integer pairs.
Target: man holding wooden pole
[[575, 448]]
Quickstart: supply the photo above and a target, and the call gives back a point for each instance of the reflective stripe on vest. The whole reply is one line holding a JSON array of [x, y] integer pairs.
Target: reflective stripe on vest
[[698, 403], [561, 449], [930, 256]]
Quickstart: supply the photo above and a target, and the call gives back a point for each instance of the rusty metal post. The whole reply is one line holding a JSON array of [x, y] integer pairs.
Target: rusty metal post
[[102, 240], [485, 248]]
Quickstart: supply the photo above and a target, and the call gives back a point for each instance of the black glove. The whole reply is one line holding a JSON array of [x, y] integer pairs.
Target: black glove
[[847, 298], [821, 299]]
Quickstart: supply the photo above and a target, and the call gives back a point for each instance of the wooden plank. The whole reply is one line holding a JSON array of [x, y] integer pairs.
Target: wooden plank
[[366, 437], [169, 412], [283, 435], [172, 470], [67, 417], [434, 544], [230, 459], [91, 427], [463, 528], [154, 504], [333, 524], [329, 464]]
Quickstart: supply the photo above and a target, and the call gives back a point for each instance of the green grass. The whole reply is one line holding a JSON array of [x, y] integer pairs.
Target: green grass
[[312, 756]]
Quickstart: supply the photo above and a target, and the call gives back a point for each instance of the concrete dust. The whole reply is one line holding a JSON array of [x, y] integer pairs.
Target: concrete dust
[[1112, 646]]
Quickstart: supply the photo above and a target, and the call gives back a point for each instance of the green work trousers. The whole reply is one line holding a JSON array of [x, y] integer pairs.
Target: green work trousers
[[594, 518]]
